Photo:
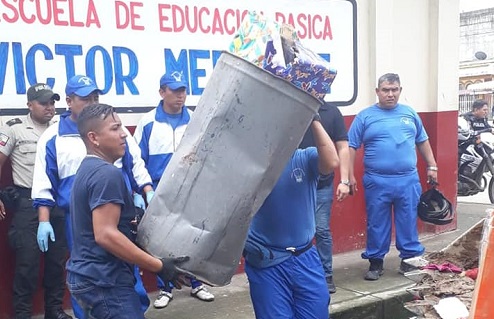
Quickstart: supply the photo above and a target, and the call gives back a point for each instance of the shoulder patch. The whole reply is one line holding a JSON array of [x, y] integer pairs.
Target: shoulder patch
[[14, 121], [3, 139]]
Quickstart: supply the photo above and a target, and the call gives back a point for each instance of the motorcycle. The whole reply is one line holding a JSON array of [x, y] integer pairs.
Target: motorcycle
[[475, 159]]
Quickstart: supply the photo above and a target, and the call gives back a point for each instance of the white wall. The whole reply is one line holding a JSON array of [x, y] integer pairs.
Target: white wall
[[419, 40]]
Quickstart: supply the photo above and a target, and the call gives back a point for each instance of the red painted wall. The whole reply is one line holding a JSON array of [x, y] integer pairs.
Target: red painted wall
[[348, 218]]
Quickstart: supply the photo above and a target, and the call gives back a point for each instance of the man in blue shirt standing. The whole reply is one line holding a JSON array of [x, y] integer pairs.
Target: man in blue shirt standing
[[286, 277], [390, 133]]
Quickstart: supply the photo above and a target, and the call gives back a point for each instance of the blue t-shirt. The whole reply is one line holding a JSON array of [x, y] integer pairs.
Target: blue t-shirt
[[286, 218], [96, 183], [389, 137]]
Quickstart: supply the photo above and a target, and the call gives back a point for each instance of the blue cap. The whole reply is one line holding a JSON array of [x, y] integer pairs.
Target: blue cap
[[81, 85], [174, 80]]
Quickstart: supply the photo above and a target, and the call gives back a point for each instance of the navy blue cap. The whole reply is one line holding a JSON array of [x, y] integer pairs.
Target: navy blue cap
[[81, 85], [174, 80]]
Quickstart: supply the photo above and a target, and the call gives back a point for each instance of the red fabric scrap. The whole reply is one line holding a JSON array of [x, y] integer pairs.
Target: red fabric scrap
[[472, 273], [446, 267]]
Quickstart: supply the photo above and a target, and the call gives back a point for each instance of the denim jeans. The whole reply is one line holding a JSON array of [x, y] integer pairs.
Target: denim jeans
[[324, 240], [105, 302]]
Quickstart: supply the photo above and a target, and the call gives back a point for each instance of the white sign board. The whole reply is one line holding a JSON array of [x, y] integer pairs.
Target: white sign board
[[127, 45]]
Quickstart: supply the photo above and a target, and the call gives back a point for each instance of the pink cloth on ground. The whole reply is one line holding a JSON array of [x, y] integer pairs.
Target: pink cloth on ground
[[445, 267]]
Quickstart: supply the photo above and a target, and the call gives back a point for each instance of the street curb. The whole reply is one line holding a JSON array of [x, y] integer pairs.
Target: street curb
[[380, 305]]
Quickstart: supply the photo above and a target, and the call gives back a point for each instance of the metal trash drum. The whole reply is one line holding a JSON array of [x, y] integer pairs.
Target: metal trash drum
[[246, 126]]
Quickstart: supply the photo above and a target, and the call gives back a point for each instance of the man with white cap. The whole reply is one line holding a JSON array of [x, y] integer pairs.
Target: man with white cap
[[158, 134]]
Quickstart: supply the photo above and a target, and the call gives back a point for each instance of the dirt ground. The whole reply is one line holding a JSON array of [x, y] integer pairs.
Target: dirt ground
[[464, 253], [436, 286]]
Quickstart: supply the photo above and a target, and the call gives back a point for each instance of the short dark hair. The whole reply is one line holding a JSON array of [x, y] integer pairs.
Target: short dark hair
[[86, 121], [478, 104], [388, 77]]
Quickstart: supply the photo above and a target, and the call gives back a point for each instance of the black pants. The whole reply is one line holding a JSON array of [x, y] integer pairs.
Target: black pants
[[22, 238]]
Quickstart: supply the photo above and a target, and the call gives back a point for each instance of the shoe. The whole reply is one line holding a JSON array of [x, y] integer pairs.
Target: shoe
[[331, 286], [375, 269], [202, 293], [163, 299], [404, 267], [57, 314]]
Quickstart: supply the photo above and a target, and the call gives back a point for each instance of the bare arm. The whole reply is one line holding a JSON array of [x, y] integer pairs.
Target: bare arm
[[342, 148], [44, 213], [353, 180], [3, 159], [425, 150], [107, 235], [328, 158]]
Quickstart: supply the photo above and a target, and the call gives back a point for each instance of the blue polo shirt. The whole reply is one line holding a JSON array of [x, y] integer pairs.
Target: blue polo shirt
[[286, 218], [389, 137]]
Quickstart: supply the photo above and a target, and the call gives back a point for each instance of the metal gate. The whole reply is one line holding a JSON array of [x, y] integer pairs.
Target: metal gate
[[466, 101]]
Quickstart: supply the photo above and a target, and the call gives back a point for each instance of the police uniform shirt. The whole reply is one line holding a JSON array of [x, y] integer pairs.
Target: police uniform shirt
[[18, 139], [477, 124]]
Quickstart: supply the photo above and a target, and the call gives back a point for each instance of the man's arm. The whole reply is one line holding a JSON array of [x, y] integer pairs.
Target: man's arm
[[3, 159], [426, 151], [141, 174], [42, 192], [353, 180], [343, 190], [107, 235], [328, 158]]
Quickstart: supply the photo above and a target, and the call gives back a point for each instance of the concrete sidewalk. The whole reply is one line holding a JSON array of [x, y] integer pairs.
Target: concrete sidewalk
[[355, 297]]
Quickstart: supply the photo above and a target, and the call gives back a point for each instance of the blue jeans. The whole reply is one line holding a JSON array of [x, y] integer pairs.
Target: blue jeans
[[324, 240], [105, 302]]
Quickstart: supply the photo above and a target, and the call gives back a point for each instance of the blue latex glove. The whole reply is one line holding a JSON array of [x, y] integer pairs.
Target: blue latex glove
[[149, 196], [45, 229], [139, 201]]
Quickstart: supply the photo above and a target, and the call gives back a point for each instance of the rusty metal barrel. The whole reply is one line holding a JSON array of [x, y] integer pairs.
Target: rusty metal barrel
[[246, 126]]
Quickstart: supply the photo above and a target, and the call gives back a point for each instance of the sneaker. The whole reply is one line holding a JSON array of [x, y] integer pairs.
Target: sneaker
[[202, 293], [331, 286], [375, 269], [163, 299], [404, 267]]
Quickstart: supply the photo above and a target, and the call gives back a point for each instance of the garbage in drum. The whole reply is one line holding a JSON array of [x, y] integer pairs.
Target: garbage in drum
[[246, 126]]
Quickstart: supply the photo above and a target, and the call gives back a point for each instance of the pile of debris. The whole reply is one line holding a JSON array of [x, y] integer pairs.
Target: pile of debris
[[448, 273]]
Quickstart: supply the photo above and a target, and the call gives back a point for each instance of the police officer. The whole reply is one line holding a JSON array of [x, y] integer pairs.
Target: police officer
[[477, 118], [18, 140]]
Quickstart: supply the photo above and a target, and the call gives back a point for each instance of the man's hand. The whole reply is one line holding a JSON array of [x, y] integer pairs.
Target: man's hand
[[169, 271], [2, 211], [342, 191], [45, 230], [353, 184], [432, 176], [139, 201], [149, 196]]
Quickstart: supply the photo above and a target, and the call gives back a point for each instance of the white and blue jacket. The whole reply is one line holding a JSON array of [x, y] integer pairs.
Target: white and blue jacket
[[158, 140], [59, 153]]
